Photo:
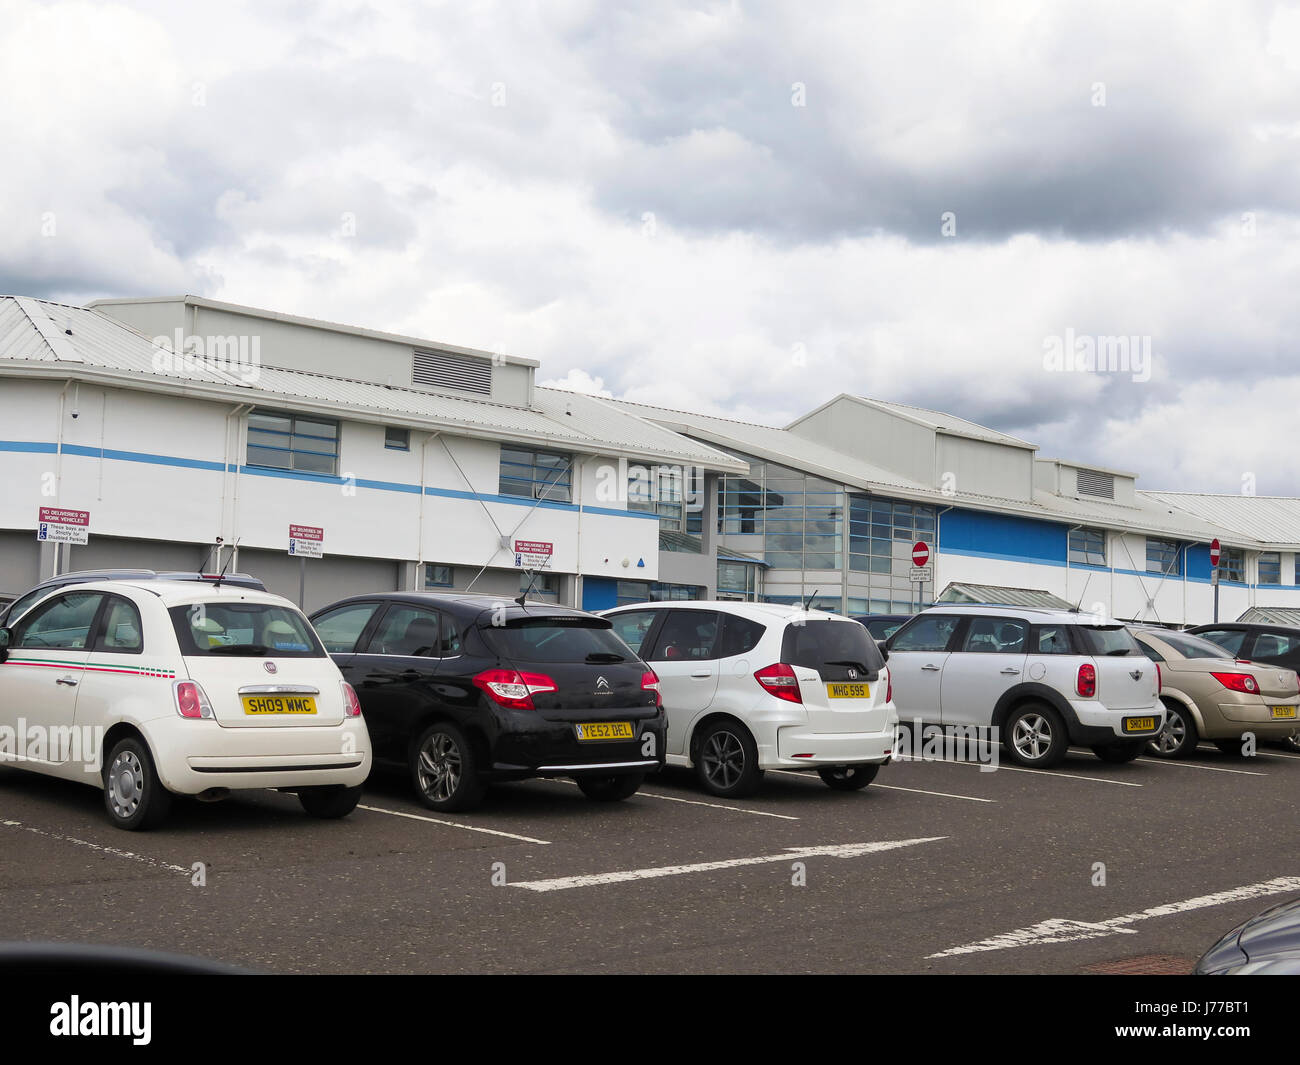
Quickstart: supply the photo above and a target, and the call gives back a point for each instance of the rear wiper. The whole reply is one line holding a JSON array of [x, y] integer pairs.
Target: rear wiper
[[1120, 651], [849, 662], [605, 656], [249, 649]]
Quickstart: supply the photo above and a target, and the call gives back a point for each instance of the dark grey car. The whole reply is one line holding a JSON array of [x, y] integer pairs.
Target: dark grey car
[[1266, 944]]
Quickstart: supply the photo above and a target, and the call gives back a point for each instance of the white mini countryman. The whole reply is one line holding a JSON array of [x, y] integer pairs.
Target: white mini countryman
[[155, 688]]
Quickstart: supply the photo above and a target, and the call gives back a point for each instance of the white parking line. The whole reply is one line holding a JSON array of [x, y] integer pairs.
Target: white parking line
[[98, 847], [1207, 768], [692, 802], [1023, 769], [792, 854], [895, 787], [451, 824], [1064, 930]]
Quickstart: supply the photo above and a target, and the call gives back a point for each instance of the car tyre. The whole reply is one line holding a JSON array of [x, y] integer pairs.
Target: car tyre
[[1124, 751], [1035, 736], [444, 769], [133, 795], [611, 789], [330, 801], [1292, 742], [1178, 737], [726, 760], [848, 777]]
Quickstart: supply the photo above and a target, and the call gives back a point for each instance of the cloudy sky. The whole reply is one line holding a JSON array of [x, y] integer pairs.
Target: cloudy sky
[[740, 207]]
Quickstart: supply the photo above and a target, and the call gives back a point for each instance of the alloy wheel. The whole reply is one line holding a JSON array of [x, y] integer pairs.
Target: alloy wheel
[[723, 758], [1032, 736], [1173, 735], [440, 767]]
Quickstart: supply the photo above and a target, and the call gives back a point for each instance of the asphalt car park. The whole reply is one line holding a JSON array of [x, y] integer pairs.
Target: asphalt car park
[[935, 867]]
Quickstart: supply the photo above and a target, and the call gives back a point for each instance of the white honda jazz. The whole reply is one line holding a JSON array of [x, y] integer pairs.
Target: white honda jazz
[[755, 686], [157, 687]]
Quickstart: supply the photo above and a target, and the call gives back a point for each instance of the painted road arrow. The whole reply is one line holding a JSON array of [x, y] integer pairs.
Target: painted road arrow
[[791, 854], [1063, 930]]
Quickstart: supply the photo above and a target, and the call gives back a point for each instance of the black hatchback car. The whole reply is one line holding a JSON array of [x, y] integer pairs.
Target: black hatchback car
[[461, 690]]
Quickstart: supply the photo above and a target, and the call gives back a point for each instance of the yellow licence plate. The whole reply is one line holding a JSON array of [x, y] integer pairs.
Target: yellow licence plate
[[1139, 724], [848, 691], [604, 730], [279, 704], [1283, 711]]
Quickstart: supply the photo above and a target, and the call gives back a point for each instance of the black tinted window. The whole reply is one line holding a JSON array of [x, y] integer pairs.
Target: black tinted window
[[1051, 640], [632, 627], [739, 635], [839, 644], [688, 634], [996, 636], [340, 629], [408, 631], [555, 639], [1108, 640], [1228, 639]]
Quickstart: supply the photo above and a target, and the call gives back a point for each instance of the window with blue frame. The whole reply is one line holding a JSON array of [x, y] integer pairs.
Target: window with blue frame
[[436, 576], [533, 474], [1088, 547], [1232, 565], [1164, 557], [291, 442], [656, 592], [1270, 567]]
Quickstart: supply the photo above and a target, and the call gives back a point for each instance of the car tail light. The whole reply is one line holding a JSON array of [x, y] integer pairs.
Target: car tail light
[[779, 680], [1238, 682], [191, 700], [351, 704], [1086, 683], [1160, 680], [650, 683], [889, 688], [509, 687]]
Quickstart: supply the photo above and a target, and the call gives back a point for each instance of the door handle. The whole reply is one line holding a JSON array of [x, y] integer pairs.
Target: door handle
[[66, 680], [1011, 672], [703, 675], [930, 668]]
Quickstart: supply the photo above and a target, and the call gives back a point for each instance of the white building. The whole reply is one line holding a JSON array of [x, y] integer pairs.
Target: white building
[[175, 422]]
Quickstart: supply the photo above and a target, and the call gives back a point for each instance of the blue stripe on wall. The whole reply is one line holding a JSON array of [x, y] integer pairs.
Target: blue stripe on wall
[[969, 532]]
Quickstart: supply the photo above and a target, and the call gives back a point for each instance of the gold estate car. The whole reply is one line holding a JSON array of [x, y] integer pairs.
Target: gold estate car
[[1211, 696]]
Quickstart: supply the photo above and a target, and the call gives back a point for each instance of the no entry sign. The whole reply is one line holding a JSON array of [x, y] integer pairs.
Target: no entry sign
[[920, 553], [1214, 553]]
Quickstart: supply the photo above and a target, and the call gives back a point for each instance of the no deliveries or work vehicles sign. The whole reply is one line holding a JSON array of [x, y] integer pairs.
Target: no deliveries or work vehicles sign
[[59, 526]]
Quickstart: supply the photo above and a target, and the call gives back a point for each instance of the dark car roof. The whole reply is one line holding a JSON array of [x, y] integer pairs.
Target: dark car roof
[[465, 604], [864, 618]]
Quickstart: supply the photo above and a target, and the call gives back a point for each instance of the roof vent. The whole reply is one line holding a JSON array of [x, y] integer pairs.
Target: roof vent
[[460, 373], [1096, 483]]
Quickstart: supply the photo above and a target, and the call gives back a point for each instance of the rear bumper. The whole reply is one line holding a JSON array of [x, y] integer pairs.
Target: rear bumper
[[826, 748], [193, 756], [531, 746], [1096, 724], [1258, 718]]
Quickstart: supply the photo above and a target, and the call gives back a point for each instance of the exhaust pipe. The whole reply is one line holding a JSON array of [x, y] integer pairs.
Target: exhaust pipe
[[213, 795]]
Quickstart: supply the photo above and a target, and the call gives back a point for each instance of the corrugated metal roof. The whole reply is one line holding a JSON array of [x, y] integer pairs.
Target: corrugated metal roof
[[1273, 615], [97, 341], [1266, 519], [998, 595], [940, 420], [1146, 515]]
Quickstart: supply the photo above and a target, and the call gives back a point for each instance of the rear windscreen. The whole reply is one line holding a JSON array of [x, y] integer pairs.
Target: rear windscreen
[[1108, 640], [557, 639], [244, 629], [1194, 646], [839, 644]]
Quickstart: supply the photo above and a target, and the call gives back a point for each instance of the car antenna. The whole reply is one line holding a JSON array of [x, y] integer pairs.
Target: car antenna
[[532, 576], [810, 599], [1076, 606]]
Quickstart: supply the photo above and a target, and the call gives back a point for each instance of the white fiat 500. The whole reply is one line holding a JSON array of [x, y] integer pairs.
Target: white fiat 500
[[157, 688], [755, 686]]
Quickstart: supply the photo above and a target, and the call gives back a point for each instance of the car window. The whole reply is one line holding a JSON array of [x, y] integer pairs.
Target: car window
[[19, 606], [928, 633], [1269, 645], [562, 638], [449, 636], [1148, 648], [633, 626], [120, 632], [739, 635], [883, 630], [64, 622], [341, 628], [1229, 639], [1108, 640], [1050, 640], [823, 644], [1190, 646], [997, 636], [241, 629], [690, 635], [407, 630]]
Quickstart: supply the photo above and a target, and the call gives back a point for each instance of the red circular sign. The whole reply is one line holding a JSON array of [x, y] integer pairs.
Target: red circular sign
[[1214, 552], [920, 553]]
